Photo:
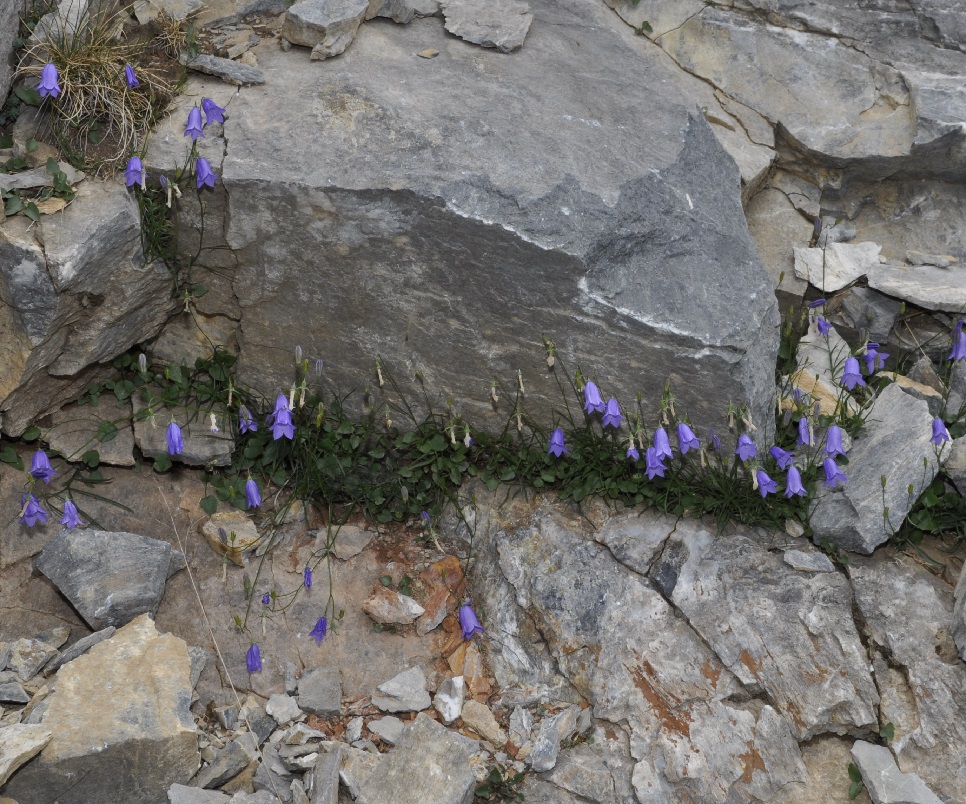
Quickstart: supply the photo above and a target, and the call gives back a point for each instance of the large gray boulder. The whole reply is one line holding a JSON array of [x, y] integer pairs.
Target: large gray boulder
[[444, 220], [10, 11]]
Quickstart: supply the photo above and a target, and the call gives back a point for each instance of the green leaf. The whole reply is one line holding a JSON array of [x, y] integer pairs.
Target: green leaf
[[386, 580], [31, 211], [6, 141], [209, 504], [13, 206], [855, 774], [31, 145], [162, 463], [888, 732], [198, 290], [91, 458], [106, 431], [9, 455], [31, 433], [854, 789], [28, 95]]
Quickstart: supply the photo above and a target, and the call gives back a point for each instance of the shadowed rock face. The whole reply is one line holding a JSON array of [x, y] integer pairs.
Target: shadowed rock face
[[445, 214]]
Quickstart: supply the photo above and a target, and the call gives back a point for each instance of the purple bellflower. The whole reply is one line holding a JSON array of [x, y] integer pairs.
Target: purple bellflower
[[612, 414], [714, 439], [817, 303], [48, 82], [833, 474], [959, 343], [213, 112], [30, 511], [662, 446], [823, 325], [71, 519], [833, 441], [687, 439], [320, 630], [175, 440], [939, 432], [206, 176], [793, 483], [40, 467], [557, 446], [654, 463], [193, 129], [766, 485], [633, 454], [805, 436], [592, 399], [130, 77], [253, 496], [782, 457], [253, 659], [852, 374], [266, 599], [246, 424], [746, 448], [281, 419], [134, 172], [307, 575], [469, 623], [873, 357]]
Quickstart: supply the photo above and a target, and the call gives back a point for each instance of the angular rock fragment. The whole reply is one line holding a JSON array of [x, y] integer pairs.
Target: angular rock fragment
[[553, 730], [837, 265], [389, 606], [203, 445], [18, 743], [402, 11], [231, 534], [320, 691], [231, 72], [326, 26], [405, 692], [883, 779], [480, 719], [502, 24], [389, 728], [325, 776], [449, 698], [28, 657]]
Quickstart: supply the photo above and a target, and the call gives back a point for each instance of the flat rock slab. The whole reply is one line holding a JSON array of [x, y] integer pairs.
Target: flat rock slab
[[403, 693], [837, 265], [231, 72], [895, 444], [502, 24], [110, 578], [883, 779], [320, 691], [18, 743], [928, 287], [120, 721], [103, 426], [402, 11], [202, 445], [326, 26]]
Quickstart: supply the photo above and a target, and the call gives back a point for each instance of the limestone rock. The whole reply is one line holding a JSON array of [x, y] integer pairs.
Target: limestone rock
[[110, 578], [18, 743], [449, 698], [895, 444], [104, 426], [13, 692], [389, 606], [147, 11], [429, 763], [231, 72], [808, 562], [883, 779], [320, 691], [231, 534], [349, 541], [27, 657], [283, 708], [202, 445], [480, 719], [388, 729], [38, 177], [934, 399], [502, 24], [357, 767], [837, 265], [325, 777], [924, 285], [867, 313], [183, 794], [405, 692], [9, 27], [326, 26], [119, 721], [402, 11], [777, 227], [227, 762]]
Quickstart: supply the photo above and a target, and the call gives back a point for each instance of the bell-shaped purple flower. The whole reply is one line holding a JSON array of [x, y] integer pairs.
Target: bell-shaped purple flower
[[130, 77], [30, 511], [206, 176], [40, 467], [959, 343], [833, 474], [782, 457], [71, 519], [823, 326], [266, 599], [280, 422], [469, 623], [833, 441], [805, 436], [939, 432], [793, 483], [134, 172], [714, 439], [633, 454], [817, 303], [662, 445], [612, 414], [194, 127], [852, 374], [213, 112], [873, 357], [175, 440], [766, 485], [48, 82], [253, 496], [653, 463], [253, 659], [246, 424], [687, 439], [320, 630], [592, 399], [746, 448], [557, 446], [307, 577]]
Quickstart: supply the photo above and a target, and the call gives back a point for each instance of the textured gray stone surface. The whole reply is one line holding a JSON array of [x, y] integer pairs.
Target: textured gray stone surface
[[110, 578], [201, 445], [326, 26], [320, 691], [449, 698], [896, 445], [501, 24], [79, 648], [18, 743], [231, 72], [227, 762], [183, 794], [405, 692], [74, 430], [402, 11], [883, 779], [325, 777], [10, 11], [389, 728]]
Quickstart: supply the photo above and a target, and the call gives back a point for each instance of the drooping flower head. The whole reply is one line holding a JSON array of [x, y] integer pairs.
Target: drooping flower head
[[873, 357], [134, 172], [469, 623], [782, 457], [281, 419], [71, 519], [714, 439], [766, 485], [852, 374], [687, 439], [653, 463], [805, 435], [30, 511], [833, 441], [307, 576], [833, 474], [959, 343], [48, 82], [592, 399], [793, 483], [662, 446], [823, 326], [213, 112], [194, 127], [130, 77], [817, 303], [632, 453], [206, 176], [557, 446], [253, 496], [612, 414], [320, 630], [266, 599], [746, 448], [40, 467], [175, 440], [939, 432], [253, 659], [246, 424]]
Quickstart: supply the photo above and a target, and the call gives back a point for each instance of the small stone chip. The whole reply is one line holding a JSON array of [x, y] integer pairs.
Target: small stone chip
[[428, 53]]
